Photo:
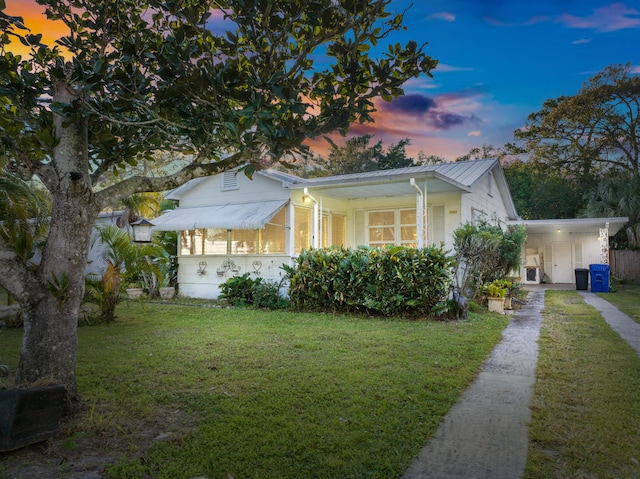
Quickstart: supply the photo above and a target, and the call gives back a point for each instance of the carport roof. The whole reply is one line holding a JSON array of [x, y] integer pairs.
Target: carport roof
[[573, 225]]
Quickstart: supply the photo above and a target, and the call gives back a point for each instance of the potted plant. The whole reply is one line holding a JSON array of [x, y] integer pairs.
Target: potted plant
[[167, 292], [135, 290], [496, 292]]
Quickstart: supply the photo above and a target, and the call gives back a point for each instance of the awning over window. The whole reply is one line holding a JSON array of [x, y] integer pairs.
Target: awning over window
[[229, 216]]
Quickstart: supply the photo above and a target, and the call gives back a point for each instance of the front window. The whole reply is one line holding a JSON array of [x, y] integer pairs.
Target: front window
[[215, 241], [392, 227]]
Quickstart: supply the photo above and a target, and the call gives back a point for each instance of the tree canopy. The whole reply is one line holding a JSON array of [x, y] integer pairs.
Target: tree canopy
[[581, 150], [358, 156], [229, 82], [593, 131]]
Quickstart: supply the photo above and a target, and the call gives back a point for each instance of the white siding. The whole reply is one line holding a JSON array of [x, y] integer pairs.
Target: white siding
[[585, 249], [207, 285], [210, 191]]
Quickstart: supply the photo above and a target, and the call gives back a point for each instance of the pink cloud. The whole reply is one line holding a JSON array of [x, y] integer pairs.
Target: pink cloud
[[605, 19], [436, 125], [446, 16], [442, 67]]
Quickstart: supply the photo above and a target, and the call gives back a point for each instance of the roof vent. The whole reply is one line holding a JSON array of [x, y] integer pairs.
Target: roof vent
[[230, 180]]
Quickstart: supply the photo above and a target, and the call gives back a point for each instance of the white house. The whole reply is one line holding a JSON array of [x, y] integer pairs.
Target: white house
[[231, 224]]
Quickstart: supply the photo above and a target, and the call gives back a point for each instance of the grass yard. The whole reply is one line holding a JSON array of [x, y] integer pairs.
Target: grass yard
[[586, 405], [256, 394], [626, 299]]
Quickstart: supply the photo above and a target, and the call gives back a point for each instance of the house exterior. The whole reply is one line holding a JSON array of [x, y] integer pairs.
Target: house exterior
[[230, 224], [556, 248]]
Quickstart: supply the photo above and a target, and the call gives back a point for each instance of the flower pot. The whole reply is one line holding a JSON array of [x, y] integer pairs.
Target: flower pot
[[507, 303], [135, 293], [29, 415], [168, 292], [496, 305]]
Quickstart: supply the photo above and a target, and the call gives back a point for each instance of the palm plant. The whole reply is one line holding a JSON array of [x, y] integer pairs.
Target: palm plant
[[24, 214], [125, 262], [618, 196]]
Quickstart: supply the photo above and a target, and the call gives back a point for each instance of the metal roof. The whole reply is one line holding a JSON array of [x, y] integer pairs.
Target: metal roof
[[462, 174], [228, 216], [572, 225], [439, 178]]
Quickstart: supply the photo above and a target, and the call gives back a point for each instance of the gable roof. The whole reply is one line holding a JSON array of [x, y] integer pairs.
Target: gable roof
[[461, 176]]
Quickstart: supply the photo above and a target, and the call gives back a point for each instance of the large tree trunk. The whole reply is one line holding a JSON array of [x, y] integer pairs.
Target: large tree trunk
[[51, 305]]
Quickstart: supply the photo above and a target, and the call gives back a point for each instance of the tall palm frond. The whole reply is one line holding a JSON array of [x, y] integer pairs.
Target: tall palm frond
[[25, 208]]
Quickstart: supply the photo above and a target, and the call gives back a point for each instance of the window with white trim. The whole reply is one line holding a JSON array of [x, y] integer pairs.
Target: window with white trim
[[268, 240], [334, 228], [392, 227]]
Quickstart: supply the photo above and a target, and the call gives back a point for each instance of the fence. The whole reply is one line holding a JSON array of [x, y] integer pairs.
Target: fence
[[625, 265]]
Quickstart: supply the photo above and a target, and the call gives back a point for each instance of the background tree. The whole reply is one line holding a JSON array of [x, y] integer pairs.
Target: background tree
[[595, 130], [424, 159], [618, 195], [396, 156], [583, 152], [135, 77], [484, 152], [541, 192], [358, 156]]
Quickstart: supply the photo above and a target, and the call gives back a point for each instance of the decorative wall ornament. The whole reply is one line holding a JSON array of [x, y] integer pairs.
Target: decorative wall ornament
[[201, 267], [228, 265], [256, 266]]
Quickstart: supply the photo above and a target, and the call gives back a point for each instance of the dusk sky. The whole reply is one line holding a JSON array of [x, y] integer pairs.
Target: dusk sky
[[499, 60]]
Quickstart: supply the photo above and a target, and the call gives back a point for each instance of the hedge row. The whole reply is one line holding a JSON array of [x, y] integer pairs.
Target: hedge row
[[390, 281]]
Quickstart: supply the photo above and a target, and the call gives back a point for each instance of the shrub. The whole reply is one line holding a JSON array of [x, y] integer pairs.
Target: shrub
[[245, 290], [485, 252], [390, 281]]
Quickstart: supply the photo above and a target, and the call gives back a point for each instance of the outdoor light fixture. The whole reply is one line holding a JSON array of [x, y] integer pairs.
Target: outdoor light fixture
[[142, 231]]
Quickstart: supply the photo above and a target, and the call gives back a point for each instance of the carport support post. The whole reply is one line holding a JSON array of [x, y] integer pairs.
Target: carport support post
[[604, 244]]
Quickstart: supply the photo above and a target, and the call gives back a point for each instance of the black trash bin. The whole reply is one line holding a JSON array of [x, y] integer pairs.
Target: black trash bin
[[582, 278]]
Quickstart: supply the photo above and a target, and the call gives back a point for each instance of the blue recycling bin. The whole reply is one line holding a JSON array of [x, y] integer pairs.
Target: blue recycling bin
[[599, 277]]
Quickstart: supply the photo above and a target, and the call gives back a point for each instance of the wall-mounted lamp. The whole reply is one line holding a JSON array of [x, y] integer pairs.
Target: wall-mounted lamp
[[558, 230], [142, 231]]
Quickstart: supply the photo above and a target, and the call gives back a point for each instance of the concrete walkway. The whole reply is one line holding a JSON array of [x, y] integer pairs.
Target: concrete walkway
[[484, 436], [622, 324]]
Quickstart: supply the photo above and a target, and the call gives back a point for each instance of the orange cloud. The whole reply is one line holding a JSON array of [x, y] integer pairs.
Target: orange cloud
[[37, 22]]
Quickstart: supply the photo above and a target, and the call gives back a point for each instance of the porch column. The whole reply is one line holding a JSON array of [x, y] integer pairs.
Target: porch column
[[290, 221], [421, 213], [315, 231]]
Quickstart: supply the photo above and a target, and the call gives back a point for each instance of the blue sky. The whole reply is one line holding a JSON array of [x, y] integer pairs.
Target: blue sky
[[499, 60]]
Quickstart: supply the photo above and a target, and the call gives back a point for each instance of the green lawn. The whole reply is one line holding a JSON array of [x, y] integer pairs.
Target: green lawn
[[586, 405], [626, 298], [255, 394]]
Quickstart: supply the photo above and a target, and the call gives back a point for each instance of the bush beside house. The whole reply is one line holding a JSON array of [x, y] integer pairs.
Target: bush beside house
[[392, 281]]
